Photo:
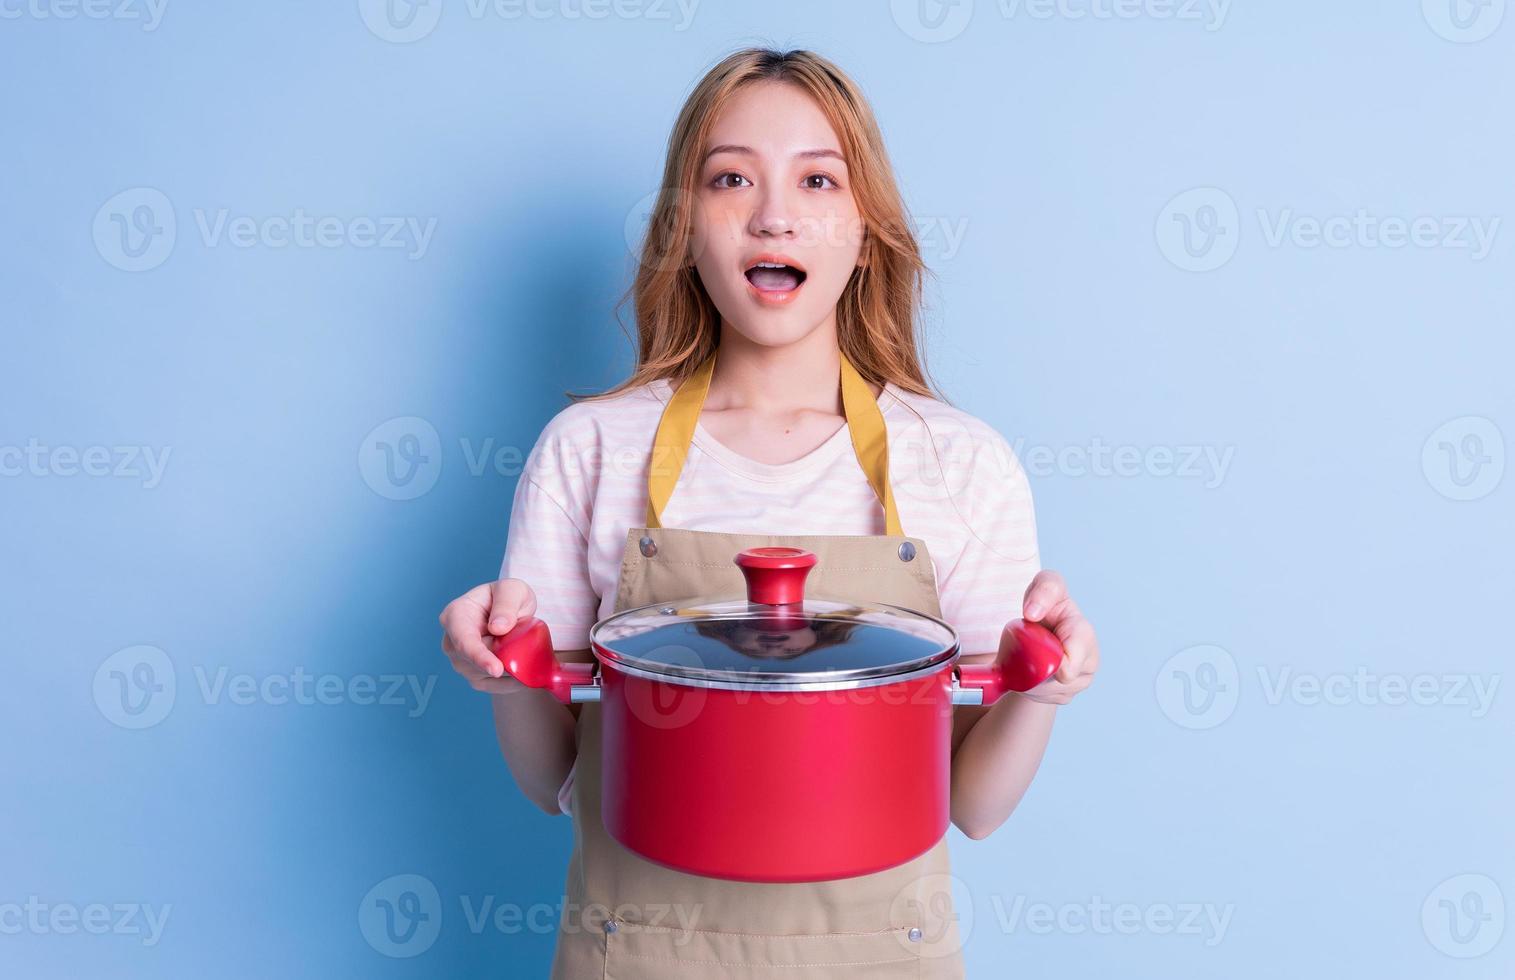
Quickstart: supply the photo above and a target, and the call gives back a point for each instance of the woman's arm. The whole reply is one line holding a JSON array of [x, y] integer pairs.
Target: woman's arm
[[997, 750], [534, 729]]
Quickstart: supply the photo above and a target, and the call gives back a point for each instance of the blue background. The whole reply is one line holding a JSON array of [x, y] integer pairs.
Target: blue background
[[274, 541]]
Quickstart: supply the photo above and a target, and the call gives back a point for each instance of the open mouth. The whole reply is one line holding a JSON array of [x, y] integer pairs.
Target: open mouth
[[775, 276]]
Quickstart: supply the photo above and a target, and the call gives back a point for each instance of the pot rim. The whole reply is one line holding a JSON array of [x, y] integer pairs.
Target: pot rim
[[726, 684], [697, 675]]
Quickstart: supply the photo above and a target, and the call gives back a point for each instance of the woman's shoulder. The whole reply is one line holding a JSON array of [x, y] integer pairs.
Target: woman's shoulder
[[954, 474], [914, 418], [632, 412]]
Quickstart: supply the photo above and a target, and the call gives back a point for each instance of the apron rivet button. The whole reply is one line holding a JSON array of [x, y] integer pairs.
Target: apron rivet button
[[915, 935], [649, 547], [610, 925], [907, 551]]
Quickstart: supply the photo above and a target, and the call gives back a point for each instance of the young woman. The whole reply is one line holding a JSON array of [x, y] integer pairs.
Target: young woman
[[780, 243]]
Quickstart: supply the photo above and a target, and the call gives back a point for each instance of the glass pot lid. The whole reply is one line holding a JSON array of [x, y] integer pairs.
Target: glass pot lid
[[774, 637]]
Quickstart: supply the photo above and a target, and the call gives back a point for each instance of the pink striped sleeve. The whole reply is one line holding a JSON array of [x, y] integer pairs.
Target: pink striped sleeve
[[984, 588], [547, 549]]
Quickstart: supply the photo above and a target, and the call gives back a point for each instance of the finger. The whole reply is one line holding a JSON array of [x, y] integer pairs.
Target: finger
[[480, 681], [510, 601], [463, 622], [467, 662], [1077, 638], [1043, 595], [1066, 671]]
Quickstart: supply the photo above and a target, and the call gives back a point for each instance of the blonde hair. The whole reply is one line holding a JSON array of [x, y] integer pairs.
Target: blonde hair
[[877, 313]]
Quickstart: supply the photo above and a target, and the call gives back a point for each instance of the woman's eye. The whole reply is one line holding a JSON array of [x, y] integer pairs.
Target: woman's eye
[[814, 182]]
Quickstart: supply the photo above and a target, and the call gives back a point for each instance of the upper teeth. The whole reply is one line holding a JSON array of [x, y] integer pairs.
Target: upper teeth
[[771, 265]]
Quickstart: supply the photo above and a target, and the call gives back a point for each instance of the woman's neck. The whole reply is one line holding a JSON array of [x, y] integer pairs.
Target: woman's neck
[[804, 375]]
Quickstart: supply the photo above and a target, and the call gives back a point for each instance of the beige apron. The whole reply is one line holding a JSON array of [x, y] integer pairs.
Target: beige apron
[[627, 918]]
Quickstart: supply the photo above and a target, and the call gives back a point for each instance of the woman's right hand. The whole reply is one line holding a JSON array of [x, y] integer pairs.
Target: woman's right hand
[[472, 622]]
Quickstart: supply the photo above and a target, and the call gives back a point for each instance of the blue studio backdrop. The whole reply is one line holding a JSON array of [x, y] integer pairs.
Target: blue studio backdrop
[[287, 291]]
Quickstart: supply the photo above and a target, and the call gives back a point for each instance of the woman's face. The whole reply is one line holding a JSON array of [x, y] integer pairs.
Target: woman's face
[[773, 186]]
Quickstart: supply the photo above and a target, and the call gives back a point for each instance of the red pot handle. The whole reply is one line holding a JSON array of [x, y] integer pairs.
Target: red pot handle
[[526, 652], [1029, 653]]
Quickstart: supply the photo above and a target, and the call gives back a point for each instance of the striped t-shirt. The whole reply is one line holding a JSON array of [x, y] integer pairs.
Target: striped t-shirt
[[956, 481]]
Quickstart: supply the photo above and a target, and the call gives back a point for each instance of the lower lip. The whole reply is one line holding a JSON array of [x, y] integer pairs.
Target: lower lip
[[773, 297]]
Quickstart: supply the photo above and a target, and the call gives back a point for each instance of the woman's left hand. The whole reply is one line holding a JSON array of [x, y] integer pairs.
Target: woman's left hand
[[1047, 602]]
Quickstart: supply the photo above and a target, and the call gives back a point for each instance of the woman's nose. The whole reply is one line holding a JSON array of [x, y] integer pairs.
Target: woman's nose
[[775, 214]]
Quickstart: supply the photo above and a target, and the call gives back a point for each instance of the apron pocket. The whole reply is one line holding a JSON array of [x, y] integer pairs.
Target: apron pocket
[[640, 952]]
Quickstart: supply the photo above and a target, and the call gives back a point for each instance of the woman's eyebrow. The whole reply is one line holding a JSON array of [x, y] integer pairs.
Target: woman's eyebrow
[[747, 150]]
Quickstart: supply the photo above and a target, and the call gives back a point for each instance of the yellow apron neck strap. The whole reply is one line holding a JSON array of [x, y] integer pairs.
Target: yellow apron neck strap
[[670, 447]]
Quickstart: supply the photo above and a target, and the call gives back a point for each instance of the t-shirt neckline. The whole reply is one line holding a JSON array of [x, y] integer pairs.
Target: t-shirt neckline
[[840, 441]]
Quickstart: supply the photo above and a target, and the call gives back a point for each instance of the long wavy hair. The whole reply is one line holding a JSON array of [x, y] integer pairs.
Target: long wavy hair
[[677, 324]]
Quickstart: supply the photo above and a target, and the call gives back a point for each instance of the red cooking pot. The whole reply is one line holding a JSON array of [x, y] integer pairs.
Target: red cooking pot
[[775, 736]]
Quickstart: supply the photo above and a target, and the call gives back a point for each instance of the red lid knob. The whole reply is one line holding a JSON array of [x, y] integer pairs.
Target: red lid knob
[[775, 576]]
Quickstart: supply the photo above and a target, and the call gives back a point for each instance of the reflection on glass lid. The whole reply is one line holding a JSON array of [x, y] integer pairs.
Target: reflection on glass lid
[[733, 639]]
